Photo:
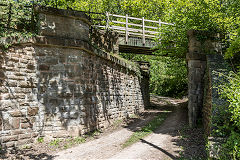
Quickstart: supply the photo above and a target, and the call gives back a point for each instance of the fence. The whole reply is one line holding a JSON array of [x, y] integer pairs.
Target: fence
[[17, 17], [132, 26]]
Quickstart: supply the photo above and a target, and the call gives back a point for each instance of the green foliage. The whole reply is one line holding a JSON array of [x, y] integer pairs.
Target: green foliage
[[214, 16], [231, 148], [168, 75], [79, 140], [16, 17], [40, 140], [231, 125], [231, 91], [55, 142], [146, 130]]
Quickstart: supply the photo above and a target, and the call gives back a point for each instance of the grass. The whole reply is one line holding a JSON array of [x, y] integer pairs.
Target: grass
[[67, 143], [40, 140], [55, 142], [146, 130]]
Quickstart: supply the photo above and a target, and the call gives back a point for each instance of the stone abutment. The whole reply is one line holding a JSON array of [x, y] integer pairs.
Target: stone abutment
[[57, 84]]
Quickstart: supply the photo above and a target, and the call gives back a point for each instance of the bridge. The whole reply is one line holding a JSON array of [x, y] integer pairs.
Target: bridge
[[136, 35]]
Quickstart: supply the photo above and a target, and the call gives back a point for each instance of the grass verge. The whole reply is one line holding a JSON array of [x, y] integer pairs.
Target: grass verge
[[146, 130]]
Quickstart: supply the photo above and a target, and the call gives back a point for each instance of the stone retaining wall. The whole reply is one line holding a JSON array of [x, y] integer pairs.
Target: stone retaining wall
[[105, 39], [57, 84], [213, 104], [198, 56]]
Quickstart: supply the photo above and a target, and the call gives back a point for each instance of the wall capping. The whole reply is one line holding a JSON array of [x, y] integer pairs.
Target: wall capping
[[64, 13], [70, 43]]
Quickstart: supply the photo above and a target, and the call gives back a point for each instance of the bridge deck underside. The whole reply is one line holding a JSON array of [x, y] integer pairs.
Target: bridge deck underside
[[136, 49], [135, 45]]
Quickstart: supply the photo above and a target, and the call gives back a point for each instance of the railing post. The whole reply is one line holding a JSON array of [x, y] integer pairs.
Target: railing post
[[126, 40], [160, 24], [9, 15], [143, 31], [107, 25], [32, 17]]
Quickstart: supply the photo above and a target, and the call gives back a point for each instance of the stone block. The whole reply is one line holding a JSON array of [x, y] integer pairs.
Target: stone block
[[6, 124], [9, 144], [2, 75], [18, 131], [74, 131], [9, 138], [32, 111], [25, 84], [61, 134], [74, 115], [15, 123], [43, 67], [26, 125], [24, 142], [31, 66], [25, 136]]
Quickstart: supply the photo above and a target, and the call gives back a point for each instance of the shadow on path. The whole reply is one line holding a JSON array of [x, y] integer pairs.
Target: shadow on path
[[189, 142], [160, 149], [24, 154]]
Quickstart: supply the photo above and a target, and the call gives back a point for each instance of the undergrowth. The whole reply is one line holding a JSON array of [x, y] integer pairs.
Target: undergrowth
[[229, 129]]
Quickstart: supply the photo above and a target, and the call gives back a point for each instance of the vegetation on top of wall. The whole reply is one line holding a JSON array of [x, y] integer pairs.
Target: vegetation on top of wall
[[18, 20]]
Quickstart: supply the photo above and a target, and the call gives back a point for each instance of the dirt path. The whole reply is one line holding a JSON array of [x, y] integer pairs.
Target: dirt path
[[172, 140], [159, 145]]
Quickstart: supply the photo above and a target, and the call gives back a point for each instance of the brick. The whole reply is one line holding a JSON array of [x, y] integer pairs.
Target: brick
[[24, 141], [16, 113], [26, 125], [18, 131], [9, 144], [16, 123], [24, 84], [35, 134], [2, 74], [43, 67], [12, 83], [6, 125], [32, 111], [9, 138], [25, 136], [25, 120], [30, 66]]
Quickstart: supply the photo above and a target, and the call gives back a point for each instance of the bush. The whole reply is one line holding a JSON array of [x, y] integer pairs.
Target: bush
[[231, 127], [168, 75]]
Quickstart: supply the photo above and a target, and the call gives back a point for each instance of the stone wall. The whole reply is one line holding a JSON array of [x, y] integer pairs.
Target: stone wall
[[196, 69], [144, 83], [213, 104], [197, 55], [57, 84], [105, 39]]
